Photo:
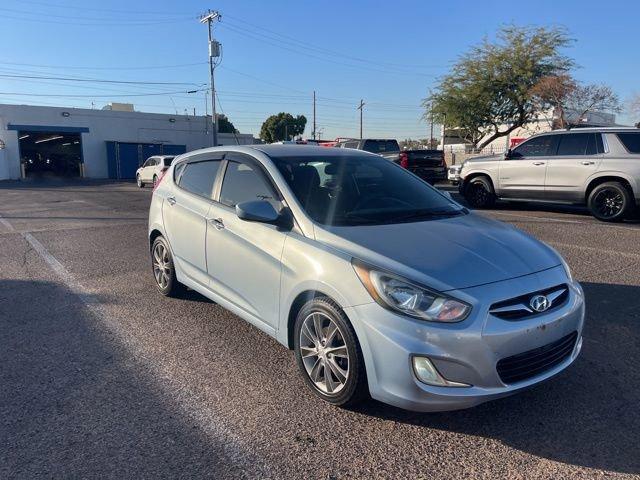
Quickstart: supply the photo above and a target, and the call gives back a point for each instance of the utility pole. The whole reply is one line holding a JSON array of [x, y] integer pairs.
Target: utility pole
[[431, 132], [214, 52], [314, 114], [360, 107]]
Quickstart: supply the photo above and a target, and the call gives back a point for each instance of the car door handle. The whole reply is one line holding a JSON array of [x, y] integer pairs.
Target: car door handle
[[588, 163], [538, 163], [171, 200], [217, 222]]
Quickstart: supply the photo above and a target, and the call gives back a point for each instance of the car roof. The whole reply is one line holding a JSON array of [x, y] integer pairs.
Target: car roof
[[306, 151], [591, 130]]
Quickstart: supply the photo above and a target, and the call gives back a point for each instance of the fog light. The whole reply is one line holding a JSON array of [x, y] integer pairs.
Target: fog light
[[427, 373]]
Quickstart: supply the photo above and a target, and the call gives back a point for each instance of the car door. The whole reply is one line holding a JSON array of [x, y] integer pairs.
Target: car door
[[244, 258], [577, 157], [186, 211], [522, 172], [149, 167]]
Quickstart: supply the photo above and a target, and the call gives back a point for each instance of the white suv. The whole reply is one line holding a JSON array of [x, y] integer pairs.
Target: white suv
[[599, 167], [152, 169]]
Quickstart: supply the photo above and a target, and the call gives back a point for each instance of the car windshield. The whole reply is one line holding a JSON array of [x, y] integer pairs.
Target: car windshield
[[361, 190]]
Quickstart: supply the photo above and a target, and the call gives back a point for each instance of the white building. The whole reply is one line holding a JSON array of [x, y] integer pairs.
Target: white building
[[58, 141]]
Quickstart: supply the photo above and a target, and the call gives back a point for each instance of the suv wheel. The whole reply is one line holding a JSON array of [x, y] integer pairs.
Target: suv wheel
[[479, 192], [328, 353], [139, 181], [164, 271], [609, 202]]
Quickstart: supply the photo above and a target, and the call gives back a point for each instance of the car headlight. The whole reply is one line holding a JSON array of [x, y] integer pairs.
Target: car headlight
[[396, 293]]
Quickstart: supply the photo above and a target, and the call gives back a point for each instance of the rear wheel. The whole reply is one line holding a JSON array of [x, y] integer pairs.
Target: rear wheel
[[164, 271], [155, 181], [610, 202], [479, 192], [139, 181], [328, 353]]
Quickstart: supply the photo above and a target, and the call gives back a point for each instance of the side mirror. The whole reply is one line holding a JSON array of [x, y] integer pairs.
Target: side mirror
[[262, 211]]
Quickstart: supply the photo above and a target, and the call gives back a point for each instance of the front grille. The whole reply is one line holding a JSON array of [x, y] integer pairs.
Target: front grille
[[537, 361], [519, 307]]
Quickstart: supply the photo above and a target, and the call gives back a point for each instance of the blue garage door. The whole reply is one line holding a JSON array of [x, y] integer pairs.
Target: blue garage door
[[124, 158]]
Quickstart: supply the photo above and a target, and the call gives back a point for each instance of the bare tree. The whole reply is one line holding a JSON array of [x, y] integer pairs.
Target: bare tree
[[554, 91], [589, 98]]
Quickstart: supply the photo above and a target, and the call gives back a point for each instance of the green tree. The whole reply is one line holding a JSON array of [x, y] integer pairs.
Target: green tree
[[282, 126], [225, 125], [488, 92]]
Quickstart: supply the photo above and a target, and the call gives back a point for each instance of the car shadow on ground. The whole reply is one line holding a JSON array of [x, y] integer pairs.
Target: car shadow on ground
[[587, 416], [76, 403]]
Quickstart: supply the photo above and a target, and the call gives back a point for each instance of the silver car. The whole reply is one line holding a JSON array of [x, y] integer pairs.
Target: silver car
[[382, 285], [599, 167]]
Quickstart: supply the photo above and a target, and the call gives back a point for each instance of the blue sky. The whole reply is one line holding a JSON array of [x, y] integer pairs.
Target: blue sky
[[276, 53]]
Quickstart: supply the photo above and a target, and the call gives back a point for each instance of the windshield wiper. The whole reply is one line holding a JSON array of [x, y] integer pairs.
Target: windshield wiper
[[428, 214]]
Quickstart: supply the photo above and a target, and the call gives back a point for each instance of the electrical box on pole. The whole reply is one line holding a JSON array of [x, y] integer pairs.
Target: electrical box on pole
[[214, 49]]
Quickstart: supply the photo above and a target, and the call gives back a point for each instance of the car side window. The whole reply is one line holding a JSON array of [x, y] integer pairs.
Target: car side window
[[536, 147], [351, 145], [242, 183], [199, 177], [575, 144], [631, 141]]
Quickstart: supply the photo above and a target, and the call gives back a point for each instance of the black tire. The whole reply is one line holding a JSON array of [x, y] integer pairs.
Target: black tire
[[155, 181], [479, 193], [355, 388], [167, 285], [139, 181], [610, 202]]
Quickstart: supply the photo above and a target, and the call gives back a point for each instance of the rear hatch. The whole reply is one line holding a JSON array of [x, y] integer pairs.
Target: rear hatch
[[425, 158]]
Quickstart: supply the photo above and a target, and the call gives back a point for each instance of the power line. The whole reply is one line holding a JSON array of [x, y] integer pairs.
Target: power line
[[96, 80], [68, 67], [90, 96]]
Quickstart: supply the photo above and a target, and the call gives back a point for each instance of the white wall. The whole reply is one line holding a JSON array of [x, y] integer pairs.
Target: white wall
[[105, 125]]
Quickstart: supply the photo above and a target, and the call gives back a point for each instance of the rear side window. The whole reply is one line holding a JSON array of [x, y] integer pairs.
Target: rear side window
[[243, 183], [380, 146], [536, 147], [350, 145], [199, 177], [576, 144], [167, 161], [631, 141]]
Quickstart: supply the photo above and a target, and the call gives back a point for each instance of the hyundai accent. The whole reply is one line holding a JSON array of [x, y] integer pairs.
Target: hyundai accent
[[382, 286]]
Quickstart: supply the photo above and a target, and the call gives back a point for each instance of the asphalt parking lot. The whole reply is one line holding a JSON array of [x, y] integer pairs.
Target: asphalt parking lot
[[101, 376]]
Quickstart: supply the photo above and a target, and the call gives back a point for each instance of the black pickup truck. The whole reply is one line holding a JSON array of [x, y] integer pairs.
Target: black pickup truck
[[426, 164]]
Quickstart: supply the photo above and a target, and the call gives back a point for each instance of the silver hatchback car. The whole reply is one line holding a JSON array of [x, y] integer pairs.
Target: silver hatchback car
[[381, 284]]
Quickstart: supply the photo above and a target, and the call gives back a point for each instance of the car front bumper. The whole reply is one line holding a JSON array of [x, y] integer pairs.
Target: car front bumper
[[466, 352]]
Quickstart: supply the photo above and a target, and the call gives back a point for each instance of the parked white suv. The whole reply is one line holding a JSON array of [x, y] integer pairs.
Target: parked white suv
[[599, 167], [152, 169]]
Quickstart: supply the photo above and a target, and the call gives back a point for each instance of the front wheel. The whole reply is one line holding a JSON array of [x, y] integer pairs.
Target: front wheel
[[479, 193], [328, 353], [610, 202]]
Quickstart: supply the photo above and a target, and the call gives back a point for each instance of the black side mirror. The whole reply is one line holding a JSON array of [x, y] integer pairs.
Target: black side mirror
[[262, 211]]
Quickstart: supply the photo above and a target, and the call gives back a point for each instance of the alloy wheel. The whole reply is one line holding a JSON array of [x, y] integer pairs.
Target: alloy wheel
[[324, 353], [161, 265], [608, 202], [480, 194]]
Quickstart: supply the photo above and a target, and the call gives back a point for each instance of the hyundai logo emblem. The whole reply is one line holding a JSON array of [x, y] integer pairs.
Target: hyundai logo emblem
[[539, 303]]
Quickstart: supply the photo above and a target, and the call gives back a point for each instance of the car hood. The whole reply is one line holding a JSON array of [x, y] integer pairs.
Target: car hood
[[484, 158], [446, 254]]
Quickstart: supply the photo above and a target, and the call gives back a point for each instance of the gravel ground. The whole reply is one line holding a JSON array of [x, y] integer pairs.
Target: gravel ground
[[101, 376]]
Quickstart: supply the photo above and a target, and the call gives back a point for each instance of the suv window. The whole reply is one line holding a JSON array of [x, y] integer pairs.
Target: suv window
[[576, 144], [380, 146], [167, 161], [536, 147], [350, 145], [243, 183], [631, 141], [199, 177]]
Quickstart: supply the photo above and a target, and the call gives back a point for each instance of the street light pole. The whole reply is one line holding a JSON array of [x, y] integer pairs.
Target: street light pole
[[361, 107], [214, 52]]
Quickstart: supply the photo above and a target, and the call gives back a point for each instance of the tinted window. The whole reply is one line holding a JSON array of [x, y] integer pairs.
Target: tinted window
[[361, 190], [380, 146], [243, 183], [574, 144], [631, 141], [199, 177], [350, 145], [167, 161], [536, 147]]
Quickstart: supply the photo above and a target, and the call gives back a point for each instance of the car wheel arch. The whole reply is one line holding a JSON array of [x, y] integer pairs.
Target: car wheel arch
[[477, 174], [592, 183]]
